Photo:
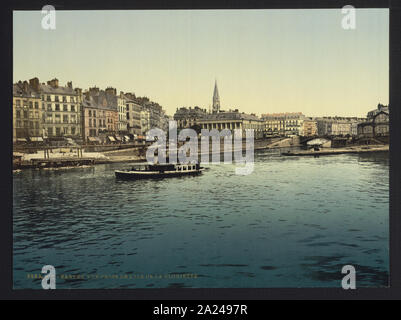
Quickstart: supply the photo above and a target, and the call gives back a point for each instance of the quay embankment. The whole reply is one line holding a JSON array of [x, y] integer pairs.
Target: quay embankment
[[62, 158], [334, 151]]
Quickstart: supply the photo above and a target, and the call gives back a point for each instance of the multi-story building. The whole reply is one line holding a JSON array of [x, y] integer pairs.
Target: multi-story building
[[274, 124], [309, 127], [338, 126], [377, 124], [111, 110], [61, 114], [122, 113], [145, 122], [27, 112], [288, 123], [155, 111], [90, 119], [294, 124], [100, 114], [134, 125], [188, 117], [165, 119]]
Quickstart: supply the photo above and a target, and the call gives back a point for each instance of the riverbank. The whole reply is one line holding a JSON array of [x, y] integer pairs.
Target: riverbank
[[333, 151], [132, 155]]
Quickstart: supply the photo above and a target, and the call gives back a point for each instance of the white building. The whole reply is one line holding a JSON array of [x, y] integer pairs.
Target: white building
[[122, 113]]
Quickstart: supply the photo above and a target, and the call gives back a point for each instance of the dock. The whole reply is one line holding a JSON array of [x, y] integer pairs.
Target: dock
[[56, 163], [333, 151]]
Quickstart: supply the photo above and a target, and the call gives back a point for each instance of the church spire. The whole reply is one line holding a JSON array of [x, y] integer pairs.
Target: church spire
[[216, 99]]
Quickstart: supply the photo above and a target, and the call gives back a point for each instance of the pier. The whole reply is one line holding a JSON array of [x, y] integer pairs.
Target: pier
[[333, 151]]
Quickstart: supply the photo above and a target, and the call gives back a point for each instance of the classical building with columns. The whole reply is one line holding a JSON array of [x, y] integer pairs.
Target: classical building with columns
[[233, 120]]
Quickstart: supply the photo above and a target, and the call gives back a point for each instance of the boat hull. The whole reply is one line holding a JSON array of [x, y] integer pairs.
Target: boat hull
[[132, 175]]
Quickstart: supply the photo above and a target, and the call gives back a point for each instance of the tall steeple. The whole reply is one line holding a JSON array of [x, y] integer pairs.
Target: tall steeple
[[216, 99]]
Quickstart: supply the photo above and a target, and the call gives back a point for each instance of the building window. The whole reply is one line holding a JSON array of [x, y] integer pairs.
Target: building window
[[65, 129], [64, 99], [72, 130], [90, 122], [48, 98], [65, 119], [36, 105], [58, 131], [65, 108], [72, 108], [18, 114], [30, 105], [56, 99], [57, 107]]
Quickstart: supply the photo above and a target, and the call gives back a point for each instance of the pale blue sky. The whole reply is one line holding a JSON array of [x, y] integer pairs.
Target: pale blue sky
[[264, 60]]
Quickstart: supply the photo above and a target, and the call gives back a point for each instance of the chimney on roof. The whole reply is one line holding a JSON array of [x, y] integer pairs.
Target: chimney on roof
[[53, 83], [94, 91], [34, 84], [25, 86], [69, 84], [111, 91]]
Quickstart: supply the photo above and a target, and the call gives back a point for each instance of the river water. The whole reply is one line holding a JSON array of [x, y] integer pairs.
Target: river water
[[293, 222]]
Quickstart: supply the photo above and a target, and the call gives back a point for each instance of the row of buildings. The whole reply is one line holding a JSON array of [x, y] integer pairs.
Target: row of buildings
[[283, 124], [46, 110]]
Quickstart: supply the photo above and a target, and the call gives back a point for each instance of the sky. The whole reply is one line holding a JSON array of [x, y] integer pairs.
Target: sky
[[264, 61]]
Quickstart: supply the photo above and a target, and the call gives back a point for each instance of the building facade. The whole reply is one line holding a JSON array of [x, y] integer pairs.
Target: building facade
[[377, 124], [61, 110], [188, 117], [338, 126], [27, 112], [145, 122], [309, 127], [100, 113], [122, 113], [233, 120], [134, 125], [288, 123]]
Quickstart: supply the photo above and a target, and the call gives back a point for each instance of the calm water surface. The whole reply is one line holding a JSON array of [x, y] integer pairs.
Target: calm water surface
[[294, 222]]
